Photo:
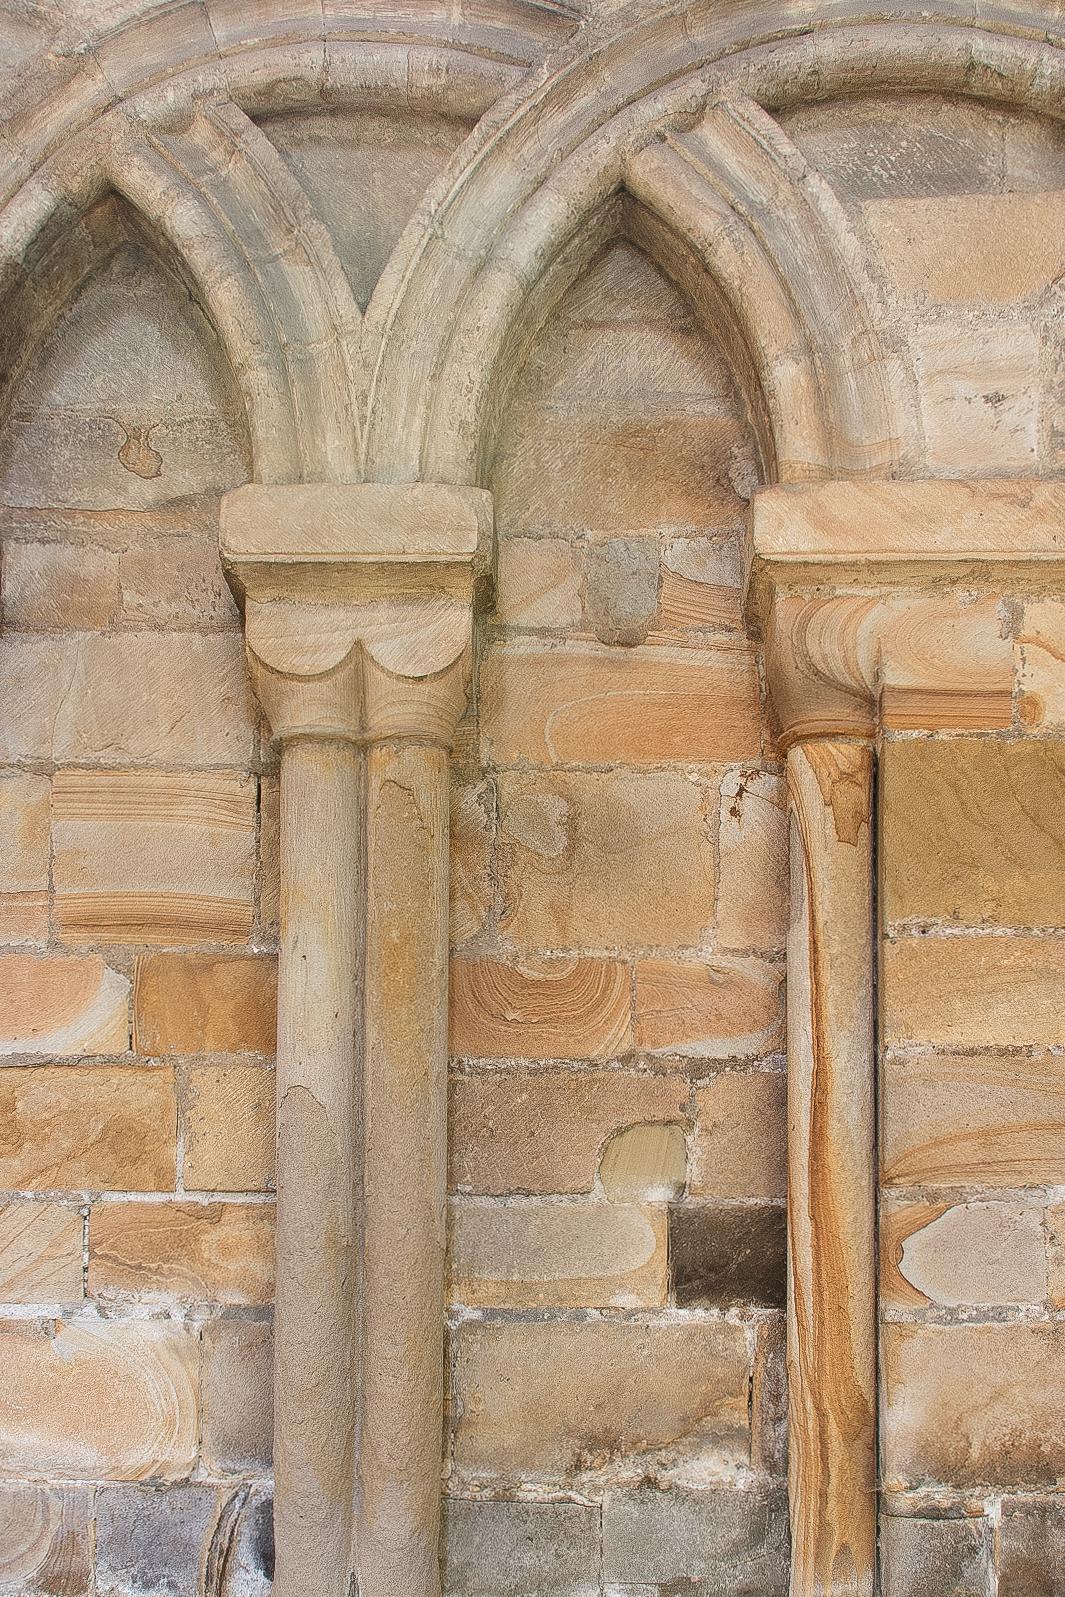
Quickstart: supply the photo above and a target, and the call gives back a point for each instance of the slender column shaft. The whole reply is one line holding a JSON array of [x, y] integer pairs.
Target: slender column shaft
[[405, 1164], [318, 1011], [832, 1369]]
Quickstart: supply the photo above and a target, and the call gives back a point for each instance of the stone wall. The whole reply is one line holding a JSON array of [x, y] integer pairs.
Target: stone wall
[[614, 1337]]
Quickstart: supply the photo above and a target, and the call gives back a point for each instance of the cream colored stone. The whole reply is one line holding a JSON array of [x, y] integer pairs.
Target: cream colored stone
[[221, 1252], [553, 1401], [603, 861], [701, 585], [62, 1005], [648, 1162], [46, 1539], [752, 897], [228, 1121], [60, 586], [714, 1009], [974, 992], [538, 583], [24, 820], [971, 248], [1041, 677], [962, 1255], [40, 1253], [269, 853], [557, 1254], [150, 857], [979, 388], [740, 1144], [1055, 1223], [91, 1126], [99, 1400], [473, 879]]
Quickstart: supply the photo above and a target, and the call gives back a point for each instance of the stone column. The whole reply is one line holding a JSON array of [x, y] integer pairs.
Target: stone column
[[357, 603], [832, 1369]]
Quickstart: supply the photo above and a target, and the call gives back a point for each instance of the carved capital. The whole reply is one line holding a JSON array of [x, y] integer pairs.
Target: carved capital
[[880, 603], [358, 603]]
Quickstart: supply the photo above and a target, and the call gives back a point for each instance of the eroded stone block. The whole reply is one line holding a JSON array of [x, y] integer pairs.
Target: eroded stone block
[[508, 1549], [228, 1118], [238, 1389], [733, 1543], [722, 1256], [222, 1252], [947, 1556], [88, 1126]]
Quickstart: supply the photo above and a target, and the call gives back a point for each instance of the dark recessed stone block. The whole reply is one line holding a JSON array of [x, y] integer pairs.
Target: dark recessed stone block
[[722, 1255]]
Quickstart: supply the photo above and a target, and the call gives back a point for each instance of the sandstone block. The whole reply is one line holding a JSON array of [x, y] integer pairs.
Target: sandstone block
[[45, 1540], [174, 581], [99, 1399], [970, 1405], [637, 353], [555, 1009], [1031, 1548], [621, 589], [24, 821], [204, 1003], [1055, 1221], [733, 1543], [603, 860], [721, 1256], [727, 1009], [151, 857], [648, 1162], [557, 1254], [154, 1541], [238, 1376], [974, 992], [589, 702], [740, 1145], [505, 1549], [1042, 668], [62, 1006], [270, 853], [608, 475], [222, 1252], [971, 248], [542, 1131], [769, 1399], [60, 586], [701, 585], [956, 1256], [959, 1120], [753, 889], [550, 1401], [538, 584], [921, 1556], [472, 875], [40, 1254], [978, 392], [229, 1115], [970, 832], [87, 1127]]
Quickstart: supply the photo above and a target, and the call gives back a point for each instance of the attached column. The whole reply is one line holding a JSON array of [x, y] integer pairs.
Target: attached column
[[832, 1365], [358, 602]]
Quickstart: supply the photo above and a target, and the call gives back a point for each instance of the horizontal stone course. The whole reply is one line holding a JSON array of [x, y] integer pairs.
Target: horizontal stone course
[[77, 1127], [552, 1009], [974, 992], [220, 1252], [513, 1549], [204, 1003]]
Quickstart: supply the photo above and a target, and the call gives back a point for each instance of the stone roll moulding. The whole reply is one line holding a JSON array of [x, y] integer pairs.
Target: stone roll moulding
[[880, 607], [357, 604]]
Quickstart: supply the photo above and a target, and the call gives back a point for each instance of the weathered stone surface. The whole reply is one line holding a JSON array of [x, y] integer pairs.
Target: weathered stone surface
[[237, 1396], [24, 821], [954, 1256], [553, 1009], [1042, 670], [551, 1401], [473, 877], [154, 1541], [92, 1126], [739, 1149], [948, 1556], [753, 850], [99, 1400], [733, 1543], [769, 1398], [60, 587], [648, 1162], [971, 248], [45, 1540], [1031, 1548], [174, 581], [606, 860], [219, 1251], [228, 1117], [934, 1431], [62, 1006], [701, 583], [978, 395], [621, 589], [974, 992], [721, 1256], [1055, 1225], [204, 1003], [40, 1253], [269, 854], [959, 1120], [589, 702], [149, 857], [541, 1131], [126, 698], [971, 833], [560, 1254], [730, 1008], [539, 583], [521, 1549]]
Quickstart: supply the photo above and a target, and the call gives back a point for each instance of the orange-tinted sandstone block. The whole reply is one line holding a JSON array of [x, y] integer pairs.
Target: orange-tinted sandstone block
[[62, 1005], [93, 1126], [24, 814], [222, 1252], [731, 1008], [974, 992], [204, 1003], [40, 1253], [557, 1009], [228, 1117]]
